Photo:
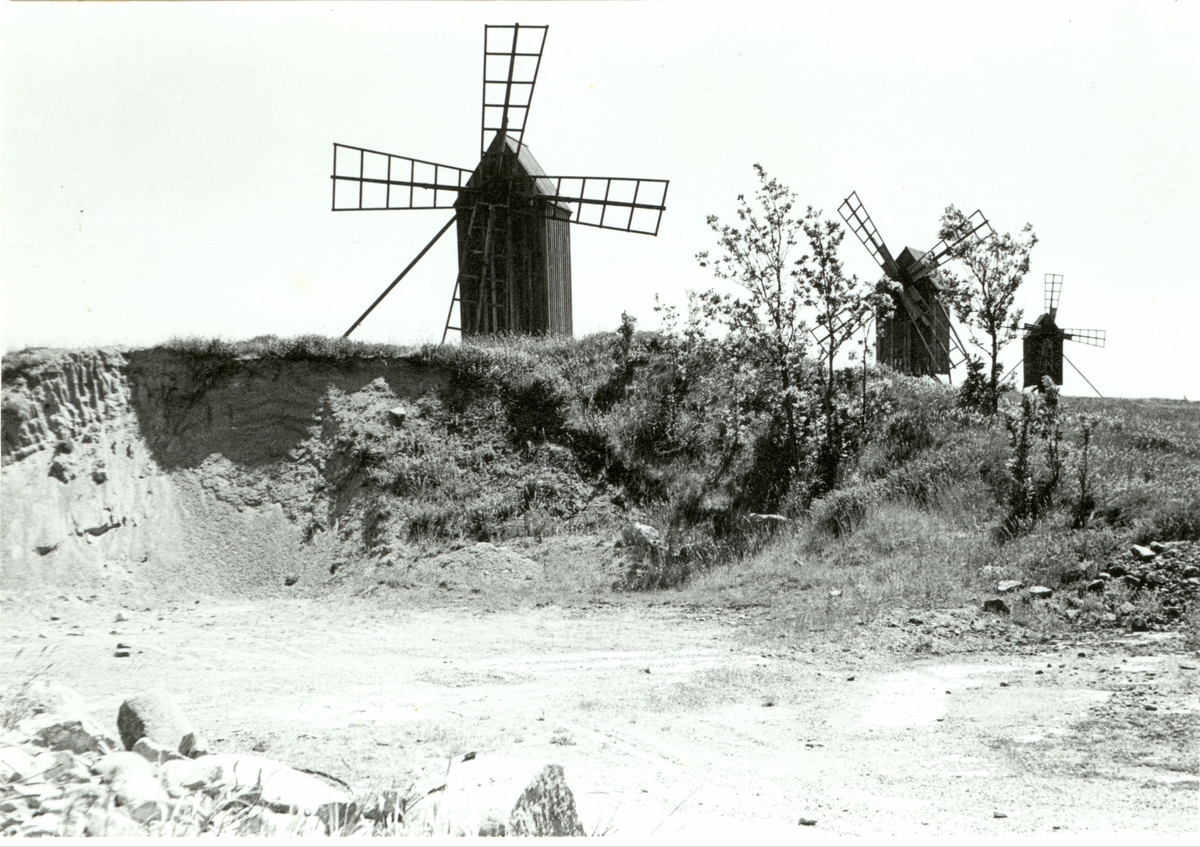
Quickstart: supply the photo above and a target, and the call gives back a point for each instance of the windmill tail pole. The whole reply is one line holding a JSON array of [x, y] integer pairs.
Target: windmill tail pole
[[396, 281], [1085, 379], [1013, 371]]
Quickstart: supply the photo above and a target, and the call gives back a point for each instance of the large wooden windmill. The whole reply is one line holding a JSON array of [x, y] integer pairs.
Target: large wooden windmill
[[514, 243], [916, 337], [1043, 341]]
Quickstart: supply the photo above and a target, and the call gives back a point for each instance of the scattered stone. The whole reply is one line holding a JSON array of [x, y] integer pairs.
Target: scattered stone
[[915, 621], [16, 764], [155, 715], [290, 580], [1190, 572], [1116, 569], [1096, 586], [1139, 624], [999, 815], [1159, 547], [639, 536], [121, 654], [397, 415], [120, 618], [282, 788], [497, 795], [1150, 708], [152, 751], [1041, 592], [998, 607], [807, 822], [1073, 574], [76, 734], [1142, 554], [134, 783], [1009, 585]]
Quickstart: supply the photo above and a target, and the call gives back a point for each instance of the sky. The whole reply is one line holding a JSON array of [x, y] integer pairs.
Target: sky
[[164, 167]]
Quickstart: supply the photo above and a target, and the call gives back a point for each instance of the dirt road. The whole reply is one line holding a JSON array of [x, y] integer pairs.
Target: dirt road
[[668, 721]]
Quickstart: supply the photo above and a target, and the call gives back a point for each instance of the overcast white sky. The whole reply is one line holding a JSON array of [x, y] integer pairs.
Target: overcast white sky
[[166, 166]]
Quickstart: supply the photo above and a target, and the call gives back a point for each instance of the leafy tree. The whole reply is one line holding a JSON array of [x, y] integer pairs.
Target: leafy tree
[[765, 330], [983, 295], [841, 304]]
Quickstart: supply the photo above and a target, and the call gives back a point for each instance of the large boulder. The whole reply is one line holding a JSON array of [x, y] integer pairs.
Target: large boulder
[[498, 796], [279, 787], [155, 715], [133, 781]]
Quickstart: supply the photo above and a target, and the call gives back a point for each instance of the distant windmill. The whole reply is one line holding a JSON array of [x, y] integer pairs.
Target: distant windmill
[[915, 338], [1043, 342], [514, 242]]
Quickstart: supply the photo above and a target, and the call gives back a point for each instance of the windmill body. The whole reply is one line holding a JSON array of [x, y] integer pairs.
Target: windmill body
[[916, 337], [519, 281], [1043, 342], [513, 219]]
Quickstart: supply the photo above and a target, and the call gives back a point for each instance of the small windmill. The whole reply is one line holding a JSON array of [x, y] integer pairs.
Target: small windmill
[[1043, 342], [514, 241], [915, 338]]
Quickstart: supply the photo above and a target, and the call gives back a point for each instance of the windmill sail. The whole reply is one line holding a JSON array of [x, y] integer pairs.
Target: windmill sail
[[1093, 337], [369, 180], [855, 215], [625, 204], [979, 229], [512, 57]]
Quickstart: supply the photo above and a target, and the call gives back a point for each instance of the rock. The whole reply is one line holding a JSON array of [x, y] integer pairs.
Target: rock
[[77, 734], [1138, 624], [132, 779], [183, 776], [282, 788], [639, 536], [998, 607], [497, 795], [1159, 547], [1131, 581], [1115, 570], [290, 580], [397, 414], [1142, 554], [1096, 586], [1041, 592], [155, 715], [767, 521], [806, 822], [1009, 585], [1071, 614], [1190, 572], [113, 823], [60, 766], [16, 764], [154, 752], [1073, 574]]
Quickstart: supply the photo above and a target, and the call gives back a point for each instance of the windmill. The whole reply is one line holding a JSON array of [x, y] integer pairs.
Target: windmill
[[915, 338], [1043, 342], [514, 242]]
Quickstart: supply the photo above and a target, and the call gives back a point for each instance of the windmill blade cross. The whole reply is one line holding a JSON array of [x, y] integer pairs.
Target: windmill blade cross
[[980, 230], [855, 215], [620, 203], [1093, 337], [1053, 293], [512, 57], [367, 180]]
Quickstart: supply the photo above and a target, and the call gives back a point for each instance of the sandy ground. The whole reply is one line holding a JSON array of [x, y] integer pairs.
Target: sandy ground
[[669, 721]]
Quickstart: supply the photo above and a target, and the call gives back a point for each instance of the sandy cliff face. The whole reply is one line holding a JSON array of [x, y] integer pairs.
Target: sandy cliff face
[[129, 471]]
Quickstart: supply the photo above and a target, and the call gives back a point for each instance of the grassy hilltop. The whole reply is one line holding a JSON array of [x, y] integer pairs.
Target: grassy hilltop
[[539, 439]]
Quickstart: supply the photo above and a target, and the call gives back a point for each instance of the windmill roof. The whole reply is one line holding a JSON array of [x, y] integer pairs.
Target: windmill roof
[[528, 163]]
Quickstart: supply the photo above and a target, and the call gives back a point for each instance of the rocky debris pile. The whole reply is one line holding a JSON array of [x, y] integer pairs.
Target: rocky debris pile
[[1144, 588], [63, 775]]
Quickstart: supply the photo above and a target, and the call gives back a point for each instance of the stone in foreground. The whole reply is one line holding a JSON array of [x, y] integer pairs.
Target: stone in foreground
[[155, 715], [498, 796]]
